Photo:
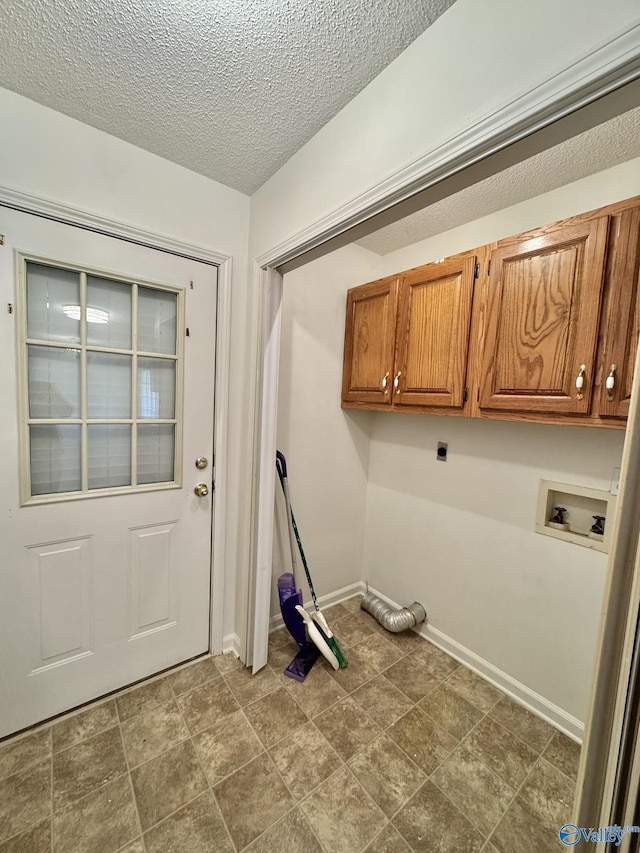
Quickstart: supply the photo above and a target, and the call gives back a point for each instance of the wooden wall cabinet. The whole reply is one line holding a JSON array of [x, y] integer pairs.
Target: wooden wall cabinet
[[620, 342], [407, 338], [433, 334], [370, 342], [539, 327], [543, 310]]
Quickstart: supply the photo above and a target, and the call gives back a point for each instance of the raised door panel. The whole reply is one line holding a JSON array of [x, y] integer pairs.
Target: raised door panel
[[543, 312], [433, 334], [623, 323], [369, 346]]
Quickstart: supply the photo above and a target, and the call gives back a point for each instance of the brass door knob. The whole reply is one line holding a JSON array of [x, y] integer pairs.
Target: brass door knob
[[201, 490]]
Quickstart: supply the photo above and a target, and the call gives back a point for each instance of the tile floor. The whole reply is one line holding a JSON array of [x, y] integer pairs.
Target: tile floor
[[403, 751]]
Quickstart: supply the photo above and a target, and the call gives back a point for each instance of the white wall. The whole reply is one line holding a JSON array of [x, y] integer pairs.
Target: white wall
[[47, 154], [327, 449], [477, 60], [459, 537]]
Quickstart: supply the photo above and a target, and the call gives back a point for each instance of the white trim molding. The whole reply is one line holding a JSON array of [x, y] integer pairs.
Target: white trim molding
[[50, 209], [513, 688], [611, 66], [230, 645]]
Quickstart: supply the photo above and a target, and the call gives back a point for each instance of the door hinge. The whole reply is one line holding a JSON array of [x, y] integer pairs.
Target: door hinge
[[186, 331], [488, 269], [9, 307], [478, 395], [476, 270], [465, 395], [1, 239]]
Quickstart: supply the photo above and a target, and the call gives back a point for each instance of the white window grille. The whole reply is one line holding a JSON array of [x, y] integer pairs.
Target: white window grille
[[100, 375]]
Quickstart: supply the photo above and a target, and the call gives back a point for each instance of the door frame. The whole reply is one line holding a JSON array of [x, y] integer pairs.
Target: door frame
[[79, 218], [562, 108]]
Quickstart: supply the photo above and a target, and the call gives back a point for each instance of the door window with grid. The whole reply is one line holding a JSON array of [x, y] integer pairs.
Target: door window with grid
[[101, 383]]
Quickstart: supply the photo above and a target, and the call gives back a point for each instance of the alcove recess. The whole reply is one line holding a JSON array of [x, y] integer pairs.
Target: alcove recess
[[581, 504]]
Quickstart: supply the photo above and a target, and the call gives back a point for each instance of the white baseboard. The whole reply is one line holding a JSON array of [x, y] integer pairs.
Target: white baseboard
[[231, 645], [328, 600], [519, 692]]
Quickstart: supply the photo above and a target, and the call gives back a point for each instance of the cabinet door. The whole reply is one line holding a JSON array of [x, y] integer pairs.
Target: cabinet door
[[433, 334], [623, 323], [369, 344], [543, 310]]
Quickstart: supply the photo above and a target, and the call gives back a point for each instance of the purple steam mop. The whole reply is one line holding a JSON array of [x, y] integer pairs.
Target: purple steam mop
[[290, 596]]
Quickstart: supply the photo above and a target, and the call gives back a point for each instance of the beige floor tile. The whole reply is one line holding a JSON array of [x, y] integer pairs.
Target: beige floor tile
[[352, 604], [506, 754], [143, 698], [135, 847], [193, 675], [292, 834], [252, 799], [535, 732], [152, 732], [334, 613], [167, 783], [480, 794], [407, 641], [317, 693], [34, 840], [195, 828], [426, 743], [86, 766], [389, 841], [280, 637], [227, 663], [542, 806], [474, 689], [382, 701], [305, 761], [101, 822], [342, 815], [24, 752], [357, 672], [275, 716], [564, 754], [386, 775], [204, 706], [226, 745], [412, 678], [548, 793], [438, 663], [247, 687], [521, 831], [351, 630], [78, 727], [25, 799], [451, 711], [378, 652], [347, 727], [280, 657], [431, 823]]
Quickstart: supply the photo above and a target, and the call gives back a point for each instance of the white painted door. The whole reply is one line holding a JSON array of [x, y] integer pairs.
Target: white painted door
[[106, 402]]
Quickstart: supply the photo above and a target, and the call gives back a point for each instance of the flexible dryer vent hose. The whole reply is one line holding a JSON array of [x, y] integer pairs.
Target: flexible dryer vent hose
[[393, 620]]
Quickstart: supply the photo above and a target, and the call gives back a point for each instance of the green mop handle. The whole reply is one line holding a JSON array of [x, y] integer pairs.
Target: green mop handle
[[281, 467]]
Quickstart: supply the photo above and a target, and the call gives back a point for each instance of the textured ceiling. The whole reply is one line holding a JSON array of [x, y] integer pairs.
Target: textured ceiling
[[608, 144], [228, 88]]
